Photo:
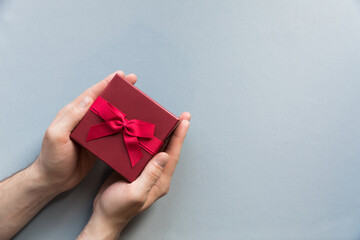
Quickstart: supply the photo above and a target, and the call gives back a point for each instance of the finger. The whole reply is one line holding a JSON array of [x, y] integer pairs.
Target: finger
[[176, 142], [185, 116], [132, 78], [152, 172], [89, 94], [72, 113]]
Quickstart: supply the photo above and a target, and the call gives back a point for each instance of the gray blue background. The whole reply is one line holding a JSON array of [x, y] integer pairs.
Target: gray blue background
[[273, 150]]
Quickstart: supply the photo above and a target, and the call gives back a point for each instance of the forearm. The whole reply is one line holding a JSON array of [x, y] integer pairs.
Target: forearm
[[22, 196]]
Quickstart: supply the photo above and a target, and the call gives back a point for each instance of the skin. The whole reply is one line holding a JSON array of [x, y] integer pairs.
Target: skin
[[62, 164]]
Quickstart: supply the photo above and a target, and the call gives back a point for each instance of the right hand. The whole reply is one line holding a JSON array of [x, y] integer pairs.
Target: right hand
[[118, 201]]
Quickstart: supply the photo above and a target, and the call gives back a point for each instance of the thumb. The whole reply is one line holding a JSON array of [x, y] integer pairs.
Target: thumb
[[71, 114], [151, 173]]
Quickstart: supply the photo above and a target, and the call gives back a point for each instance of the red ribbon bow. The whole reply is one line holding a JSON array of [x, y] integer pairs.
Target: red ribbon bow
[[136, 133]]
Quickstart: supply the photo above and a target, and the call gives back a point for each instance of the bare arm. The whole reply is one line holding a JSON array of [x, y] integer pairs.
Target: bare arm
[[23, 195], [60, 166]]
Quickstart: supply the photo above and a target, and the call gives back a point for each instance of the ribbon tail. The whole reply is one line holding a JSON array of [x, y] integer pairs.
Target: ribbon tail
[[133, 148]]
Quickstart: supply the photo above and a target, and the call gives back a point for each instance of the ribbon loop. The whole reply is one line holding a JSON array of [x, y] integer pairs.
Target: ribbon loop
[[137, 134]]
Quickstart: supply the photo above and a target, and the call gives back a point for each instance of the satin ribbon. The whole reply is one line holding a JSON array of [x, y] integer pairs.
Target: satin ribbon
[[136, 133]]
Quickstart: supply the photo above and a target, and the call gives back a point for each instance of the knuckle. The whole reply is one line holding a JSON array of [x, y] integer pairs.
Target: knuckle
[[69, 111], [136, 198], [49, 133], [53, 135], [155, 173], [165, 191]]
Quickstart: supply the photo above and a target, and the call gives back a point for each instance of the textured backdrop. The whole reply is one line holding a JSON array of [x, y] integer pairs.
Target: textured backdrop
[[273, 150]]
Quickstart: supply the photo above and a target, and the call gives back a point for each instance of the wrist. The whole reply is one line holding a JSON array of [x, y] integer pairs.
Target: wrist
[[101, 227], [40, 182], [22, 196]]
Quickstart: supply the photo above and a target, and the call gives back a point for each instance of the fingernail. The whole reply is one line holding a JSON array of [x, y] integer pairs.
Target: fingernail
[[162, 159], [85, 102]]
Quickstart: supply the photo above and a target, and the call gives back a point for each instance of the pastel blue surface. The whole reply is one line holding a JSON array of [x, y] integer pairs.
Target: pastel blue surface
[[273, 150]]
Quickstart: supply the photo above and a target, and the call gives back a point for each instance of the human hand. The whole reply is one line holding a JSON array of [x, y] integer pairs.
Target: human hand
[[118, 201], [62, 163]]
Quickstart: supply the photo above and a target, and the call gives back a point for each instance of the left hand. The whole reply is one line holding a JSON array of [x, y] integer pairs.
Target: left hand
[[62, 163]]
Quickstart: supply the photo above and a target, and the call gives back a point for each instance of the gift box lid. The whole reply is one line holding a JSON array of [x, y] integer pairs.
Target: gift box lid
[[136, 105]]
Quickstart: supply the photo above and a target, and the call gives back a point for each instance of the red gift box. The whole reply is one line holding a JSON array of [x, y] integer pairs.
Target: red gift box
[[124, 128]]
